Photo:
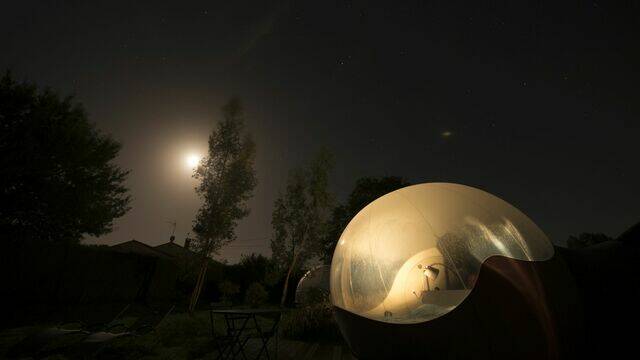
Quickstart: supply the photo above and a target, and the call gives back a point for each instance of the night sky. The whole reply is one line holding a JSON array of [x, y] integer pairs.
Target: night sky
[[535, 102]]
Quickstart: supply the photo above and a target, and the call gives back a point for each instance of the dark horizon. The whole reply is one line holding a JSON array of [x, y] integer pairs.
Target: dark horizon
[[535, 103]]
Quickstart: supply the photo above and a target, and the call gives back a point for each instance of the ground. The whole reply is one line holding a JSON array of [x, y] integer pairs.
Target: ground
[[179, 336]]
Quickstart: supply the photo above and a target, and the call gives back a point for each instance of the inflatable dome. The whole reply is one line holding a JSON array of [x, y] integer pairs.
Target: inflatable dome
[[313, 286], [415, 254]]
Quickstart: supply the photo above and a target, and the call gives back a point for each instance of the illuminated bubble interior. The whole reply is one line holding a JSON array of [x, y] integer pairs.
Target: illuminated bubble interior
[[414, 254]]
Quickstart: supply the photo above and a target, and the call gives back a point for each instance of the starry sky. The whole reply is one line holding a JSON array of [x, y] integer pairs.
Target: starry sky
[[534, 101]]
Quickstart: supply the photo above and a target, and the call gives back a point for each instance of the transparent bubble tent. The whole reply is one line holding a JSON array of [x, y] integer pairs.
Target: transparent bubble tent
[[313, 285], [414, 254]]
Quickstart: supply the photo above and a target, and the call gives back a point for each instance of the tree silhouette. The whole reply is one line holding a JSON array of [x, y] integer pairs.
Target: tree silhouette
[[227, 179], [300, 216], [58, 181], [366, 190], [586, 239]]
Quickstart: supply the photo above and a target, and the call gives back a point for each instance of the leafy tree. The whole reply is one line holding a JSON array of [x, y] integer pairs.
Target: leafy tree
[[58, 181], [257, 268], [227, 179], [256, 295], [366, 190], [586, 239], [228, 290], [631, 236], [300, 216]]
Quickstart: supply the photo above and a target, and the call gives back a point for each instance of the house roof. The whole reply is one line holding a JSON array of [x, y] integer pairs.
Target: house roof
[[174, 250], [167, 250], [137, 247]]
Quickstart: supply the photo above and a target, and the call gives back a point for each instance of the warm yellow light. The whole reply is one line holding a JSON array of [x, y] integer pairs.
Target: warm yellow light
[[192, 160], [413, 255]]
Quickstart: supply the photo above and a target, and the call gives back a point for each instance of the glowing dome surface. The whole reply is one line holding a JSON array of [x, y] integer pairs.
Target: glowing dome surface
[[414, 254]]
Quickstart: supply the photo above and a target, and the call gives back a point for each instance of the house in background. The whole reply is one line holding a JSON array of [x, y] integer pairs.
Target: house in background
[[136, 247], [168, 250], [182, 256], [174, 250]]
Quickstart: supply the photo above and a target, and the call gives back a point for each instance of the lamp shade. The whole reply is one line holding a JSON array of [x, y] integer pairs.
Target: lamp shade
[[431, 272]]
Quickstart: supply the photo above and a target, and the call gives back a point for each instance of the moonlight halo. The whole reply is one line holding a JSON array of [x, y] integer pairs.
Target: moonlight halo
[[191, 160]]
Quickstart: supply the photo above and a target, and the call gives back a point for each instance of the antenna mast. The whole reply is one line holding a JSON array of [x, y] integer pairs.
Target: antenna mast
[[173, 229]]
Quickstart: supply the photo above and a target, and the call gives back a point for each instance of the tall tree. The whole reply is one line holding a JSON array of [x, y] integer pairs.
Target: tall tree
[[366, 190], [300, 216], [58, 181], [227, 179], [586, 239]]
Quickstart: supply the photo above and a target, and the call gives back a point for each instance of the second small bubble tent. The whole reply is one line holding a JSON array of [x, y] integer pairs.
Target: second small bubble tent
[[414, 254], [313, 286]]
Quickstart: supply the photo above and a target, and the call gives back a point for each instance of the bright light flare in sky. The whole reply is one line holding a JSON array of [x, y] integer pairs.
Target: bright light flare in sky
[[192, 160]]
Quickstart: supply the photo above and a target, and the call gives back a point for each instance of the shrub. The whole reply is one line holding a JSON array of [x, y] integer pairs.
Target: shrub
[[256, 295], [228, 290], [313, 295], [313, 322]]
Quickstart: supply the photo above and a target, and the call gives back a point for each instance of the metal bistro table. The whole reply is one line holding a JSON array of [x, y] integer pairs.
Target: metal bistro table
[[242, 325]]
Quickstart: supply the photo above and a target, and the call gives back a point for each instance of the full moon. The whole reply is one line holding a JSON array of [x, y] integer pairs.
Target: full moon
[[192, 160]]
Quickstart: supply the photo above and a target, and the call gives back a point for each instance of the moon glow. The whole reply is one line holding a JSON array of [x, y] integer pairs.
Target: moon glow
[[192, 160]]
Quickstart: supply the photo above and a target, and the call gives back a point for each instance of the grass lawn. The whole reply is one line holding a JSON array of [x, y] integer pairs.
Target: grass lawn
[[179, 336]]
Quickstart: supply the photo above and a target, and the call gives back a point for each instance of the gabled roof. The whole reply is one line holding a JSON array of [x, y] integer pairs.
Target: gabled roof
[[169, 250], [174, 250], [137, 247]]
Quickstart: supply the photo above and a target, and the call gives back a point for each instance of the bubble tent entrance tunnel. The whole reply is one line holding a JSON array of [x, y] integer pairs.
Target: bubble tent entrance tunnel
[[414, 254]]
